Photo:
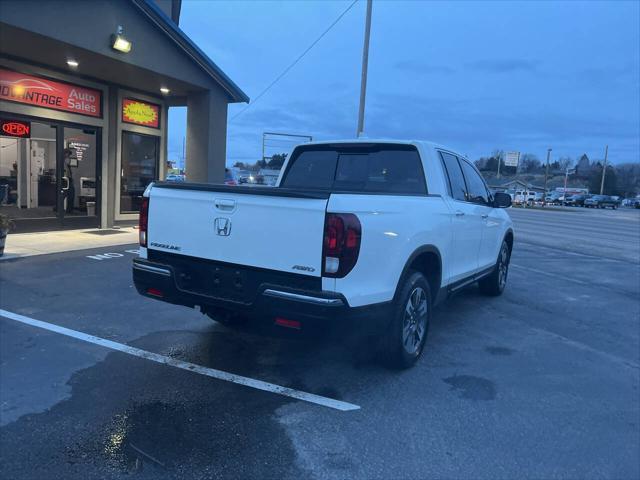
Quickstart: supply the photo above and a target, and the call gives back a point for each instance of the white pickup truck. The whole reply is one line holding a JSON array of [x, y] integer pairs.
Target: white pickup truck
[[371, 232]]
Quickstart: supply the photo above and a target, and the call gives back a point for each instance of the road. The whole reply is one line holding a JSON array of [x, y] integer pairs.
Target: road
[[542, 382]]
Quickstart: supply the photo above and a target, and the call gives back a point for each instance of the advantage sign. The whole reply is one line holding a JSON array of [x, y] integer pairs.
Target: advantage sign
[[512, 159], [42, 92]]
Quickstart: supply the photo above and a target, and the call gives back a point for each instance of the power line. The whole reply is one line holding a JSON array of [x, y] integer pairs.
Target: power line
[[293, 64]]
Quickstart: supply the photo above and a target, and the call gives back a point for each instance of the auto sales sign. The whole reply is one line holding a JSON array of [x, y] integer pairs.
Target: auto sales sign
[[42, 92]]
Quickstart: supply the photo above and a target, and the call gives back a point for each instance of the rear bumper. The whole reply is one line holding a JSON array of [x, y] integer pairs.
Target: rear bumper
[[268, 302]]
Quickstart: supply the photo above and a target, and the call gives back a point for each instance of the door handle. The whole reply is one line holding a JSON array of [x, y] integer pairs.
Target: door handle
[[485, 216], [459, 213], [225, 204]]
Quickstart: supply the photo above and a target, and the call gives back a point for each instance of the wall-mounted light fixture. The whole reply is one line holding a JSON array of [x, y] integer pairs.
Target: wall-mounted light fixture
[[119, 42], [72, 63], [164, 90]]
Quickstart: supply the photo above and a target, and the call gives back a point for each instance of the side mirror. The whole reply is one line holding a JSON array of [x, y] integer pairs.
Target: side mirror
[[501, 200]]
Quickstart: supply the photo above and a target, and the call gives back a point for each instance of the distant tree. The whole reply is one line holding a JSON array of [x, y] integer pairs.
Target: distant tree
[[277, 161], [628, 176], [480, 163], [583, 167], [491, 165], [261, 164], [610, 180], [565, 162], [240, 165], [529, 163]]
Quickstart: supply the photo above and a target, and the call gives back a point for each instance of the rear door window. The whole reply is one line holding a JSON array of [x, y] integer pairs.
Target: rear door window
[[386, 169], [457, 187]]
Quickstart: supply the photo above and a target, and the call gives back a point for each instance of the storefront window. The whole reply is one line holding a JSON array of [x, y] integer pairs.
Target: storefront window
[[139, 168], [28, 174]]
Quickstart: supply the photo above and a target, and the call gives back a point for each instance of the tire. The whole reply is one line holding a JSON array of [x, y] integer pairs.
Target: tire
[[496, 281], [411, 315]]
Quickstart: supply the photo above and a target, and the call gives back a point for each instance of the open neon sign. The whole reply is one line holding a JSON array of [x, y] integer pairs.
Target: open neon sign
[[15, 128]]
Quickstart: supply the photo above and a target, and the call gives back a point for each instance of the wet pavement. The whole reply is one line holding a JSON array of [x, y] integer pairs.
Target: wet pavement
[[543, 382]]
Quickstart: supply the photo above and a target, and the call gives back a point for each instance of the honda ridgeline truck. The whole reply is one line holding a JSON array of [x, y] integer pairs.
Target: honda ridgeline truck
[[372, 232]]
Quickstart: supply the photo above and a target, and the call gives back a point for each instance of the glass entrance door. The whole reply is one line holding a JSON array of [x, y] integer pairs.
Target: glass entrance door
[[50, 179], [78, 172]]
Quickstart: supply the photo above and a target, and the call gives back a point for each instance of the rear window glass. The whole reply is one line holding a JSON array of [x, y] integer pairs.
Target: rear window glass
[[394, 169]]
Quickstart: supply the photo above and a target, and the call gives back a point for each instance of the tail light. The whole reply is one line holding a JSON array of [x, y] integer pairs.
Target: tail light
[[341, 246], [143, 221]]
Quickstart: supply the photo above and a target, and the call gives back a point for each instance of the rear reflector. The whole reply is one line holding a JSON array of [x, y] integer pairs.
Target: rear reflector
[[155, 292], [143, 221], [283, 322]]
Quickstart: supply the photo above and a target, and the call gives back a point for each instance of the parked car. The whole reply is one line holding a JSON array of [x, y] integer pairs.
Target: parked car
[[631, 202], [174, 177], [601, 201], [553, 198], [230, 177], [244, 176], [577, 200], [524, 196], [337, 210]]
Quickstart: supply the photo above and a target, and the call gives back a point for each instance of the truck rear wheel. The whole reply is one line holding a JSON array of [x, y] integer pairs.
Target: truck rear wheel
[[494, 283], [407, 333]]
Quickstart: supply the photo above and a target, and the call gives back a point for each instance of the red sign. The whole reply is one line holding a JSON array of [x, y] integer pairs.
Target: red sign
[[15, 128], [42, 92], [140, 113]]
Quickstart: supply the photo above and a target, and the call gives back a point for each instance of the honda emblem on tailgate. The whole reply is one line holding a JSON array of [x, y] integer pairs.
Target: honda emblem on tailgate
[[223, 226]]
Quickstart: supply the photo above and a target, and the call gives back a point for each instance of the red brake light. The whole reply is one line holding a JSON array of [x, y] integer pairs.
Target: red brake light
[[341, 246], [143, 221]]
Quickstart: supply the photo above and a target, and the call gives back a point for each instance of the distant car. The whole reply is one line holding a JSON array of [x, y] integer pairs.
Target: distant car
[[230, 177], [244, 176], [601, 201], [553, 198], [577, 200], [174, 177], [631, 202], [524, 196]]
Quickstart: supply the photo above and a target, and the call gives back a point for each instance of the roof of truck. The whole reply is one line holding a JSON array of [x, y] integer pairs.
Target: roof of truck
[[365, 140]]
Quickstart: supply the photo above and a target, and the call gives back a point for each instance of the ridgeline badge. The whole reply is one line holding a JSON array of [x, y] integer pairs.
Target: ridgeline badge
[[140, 113]]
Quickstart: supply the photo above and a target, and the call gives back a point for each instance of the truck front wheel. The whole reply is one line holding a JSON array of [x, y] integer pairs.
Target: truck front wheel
[[494, 283], [407, 333]]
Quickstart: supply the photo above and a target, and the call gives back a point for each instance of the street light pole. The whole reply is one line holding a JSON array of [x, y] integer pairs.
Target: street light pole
[[365, 66], [546, 176], [604, 169]]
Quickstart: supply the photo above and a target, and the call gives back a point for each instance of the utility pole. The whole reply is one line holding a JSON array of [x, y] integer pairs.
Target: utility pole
[[499, 160], [604, 169], [365, 66], [546, 176]]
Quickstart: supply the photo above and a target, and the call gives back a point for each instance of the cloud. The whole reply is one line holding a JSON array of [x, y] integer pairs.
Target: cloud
[[424, 68], [503, 65]]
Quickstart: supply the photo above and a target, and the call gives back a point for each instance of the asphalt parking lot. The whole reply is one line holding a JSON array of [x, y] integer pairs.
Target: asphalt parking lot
[[543, 382]]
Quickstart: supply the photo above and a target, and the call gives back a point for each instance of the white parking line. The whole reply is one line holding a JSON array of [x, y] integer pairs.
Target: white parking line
[[191, 367], [550, 274]]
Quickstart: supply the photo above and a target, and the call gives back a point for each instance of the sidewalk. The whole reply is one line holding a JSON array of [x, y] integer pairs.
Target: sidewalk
[[28, 244]]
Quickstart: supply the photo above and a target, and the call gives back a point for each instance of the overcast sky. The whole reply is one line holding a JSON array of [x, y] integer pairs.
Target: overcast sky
[[475, 76]]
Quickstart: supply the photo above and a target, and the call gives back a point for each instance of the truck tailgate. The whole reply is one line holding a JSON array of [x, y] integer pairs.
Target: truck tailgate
[[253, 226]]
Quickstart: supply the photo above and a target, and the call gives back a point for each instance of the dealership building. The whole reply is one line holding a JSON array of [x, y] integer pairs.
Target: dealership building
[[85, 88]]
